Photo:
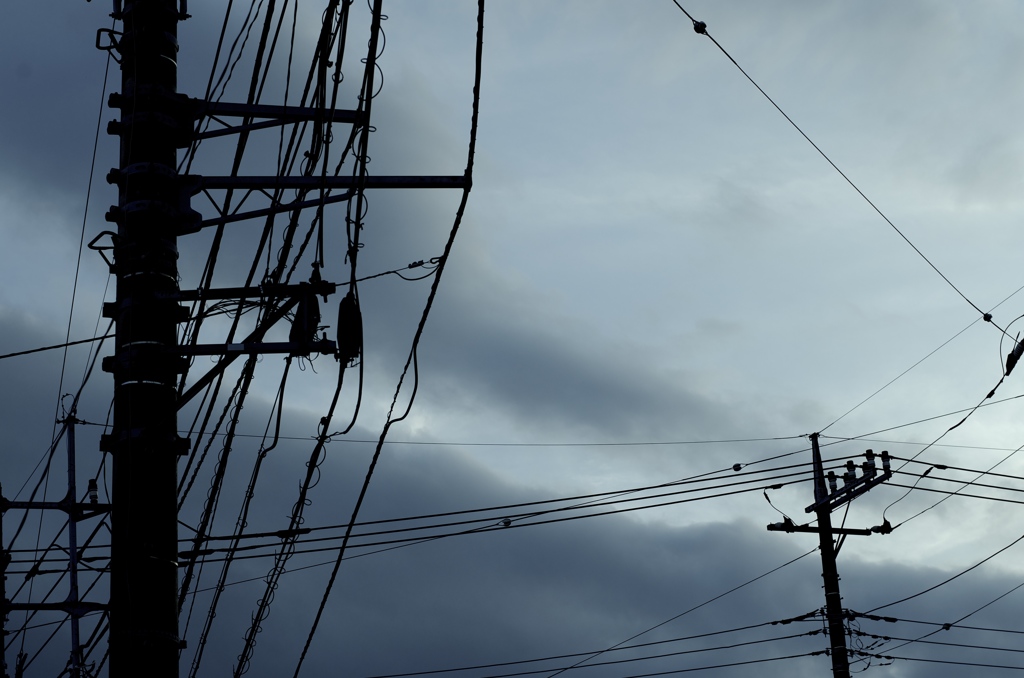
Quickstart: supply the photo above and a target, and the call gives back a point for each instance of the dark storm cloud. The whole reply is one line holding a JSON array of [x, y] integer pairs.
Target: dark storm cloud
[[536, 375], [28, 399], [510, 346], [51, 76], [518, 593], [532, 592]]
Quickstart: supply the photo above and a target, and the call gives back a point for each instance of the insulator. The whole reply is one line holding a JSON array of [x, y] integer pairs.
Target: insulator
[[94, 492], [869, 465], [884, 528], [885, 460], [350, 330], [851, 472], [832, 481], [1013, 357]]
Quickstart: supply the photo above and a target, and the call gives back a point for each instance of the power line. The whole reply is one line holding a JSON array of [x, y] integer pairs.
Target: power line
[[930, 354], [497, 527], [927, 419], [946, 581], [945, 467], [722, 666], [918, 443], [451, 443], [701, 28], [968, 483], [504, 508], [581, 654], [950, 493], [686, 612], [937, 642], [55, 346], [946, 626], [901, 374], [949, 625], [496, 522], [411, 360], [937, 661], [633, 659]]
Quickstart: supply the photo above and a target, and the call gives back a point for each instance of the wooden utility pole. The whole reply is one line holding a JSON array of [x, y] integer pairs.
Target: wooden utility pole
[[144, 441], [829, 571], [827, 497]]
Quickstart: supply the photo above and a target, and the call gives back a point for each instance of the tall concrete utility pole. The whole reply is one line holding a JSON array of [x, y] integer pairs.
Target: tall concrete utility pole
[[144, 440], [152, 211]]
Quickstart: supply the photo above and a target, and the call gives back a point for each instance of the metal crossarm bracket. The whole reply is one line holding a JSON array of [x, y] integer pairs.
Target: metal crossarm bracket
[[200, 183], [789, 526], [273, 116], [319, 288], [850, 492], [325, 346]]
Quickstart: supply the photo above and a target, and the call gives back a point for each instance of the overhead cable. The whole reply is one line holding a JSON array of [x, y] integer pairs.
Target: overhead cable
[[948, 580], [701, 28], [581, 654], [474, 120]]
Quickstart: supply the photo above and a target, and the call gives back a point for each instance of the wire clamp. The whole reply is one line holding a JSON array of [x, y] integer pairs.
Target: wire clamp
[[112, 46]]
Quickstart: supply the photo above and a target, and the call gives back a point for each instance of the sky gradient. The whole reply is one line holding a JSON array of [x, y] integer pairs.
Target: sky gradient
[[657, 277]]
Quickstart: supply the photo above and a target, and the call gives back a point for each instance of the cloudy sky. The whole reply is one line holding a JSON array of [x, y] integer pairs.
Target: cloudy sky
[[657, 277]]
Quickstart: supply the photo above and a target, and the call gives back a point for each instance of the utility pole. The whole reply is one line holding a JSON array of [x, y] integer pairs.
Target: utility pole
[[144, 440], [829, 571], [72, 605], [75, 663], [824, 503], [5, 561], [153, 210]]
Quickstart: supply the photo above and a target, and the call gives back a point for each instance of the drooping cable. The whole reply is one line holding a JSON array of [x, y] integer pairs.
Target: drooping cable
[[683, 614], [426, 311], [584, 500], [631, 660], [930, 354], [504, 521], [901, 375], [701, 28], [949, 662], [946, 581], [287, 547], [980, 475], [213, 494], [966, 416], [581, 654], [55, 346], [242, 520]]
